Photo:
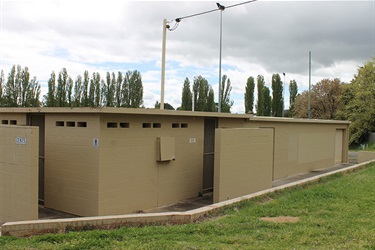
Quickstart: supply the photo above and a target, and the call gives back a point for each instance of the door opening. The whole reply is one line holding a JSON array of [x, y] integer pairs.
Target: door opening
[[209, 153], [39, 120]]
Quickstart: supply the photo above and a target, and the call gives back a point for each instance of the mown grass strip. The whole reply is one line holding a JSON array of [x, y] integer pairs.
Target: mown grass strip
[[335, 213]]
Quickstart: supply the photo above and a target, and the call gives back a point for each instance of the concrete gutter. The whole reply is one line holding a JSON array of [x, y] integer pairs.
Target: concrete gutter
[[37, 227]]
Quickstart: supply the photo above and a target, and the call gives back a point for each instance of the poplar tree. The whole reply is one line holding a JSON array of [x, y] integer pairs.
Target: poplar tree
[[23, 87], [186, 100], [226, 88], [97, 93], [69, 92], [293, 91], [50, 96], [10, 89], [33, 94], [277, 96], [108, 90], [136, 90], [118, 89], [203, 95], [85, 89], [91, 92], [61, 93], [267, 101], [77, 92], [260, 101], [249, 95], [1, 87], [132, 90]]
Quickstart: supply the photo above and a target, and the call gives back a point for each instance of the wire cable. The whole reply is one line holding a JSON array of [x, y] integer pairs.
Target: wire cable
[[209, 11]]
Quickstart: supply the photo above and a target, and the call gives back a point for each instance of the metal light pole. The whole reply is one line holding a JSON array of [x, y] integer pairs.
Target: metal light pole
[[221, 8], [164, 43], [308, 105], [283, 96]]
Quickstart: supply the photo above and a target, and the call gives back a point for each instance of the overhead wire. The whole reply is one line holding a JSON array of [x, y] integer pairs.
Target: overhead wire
[[177, 20]]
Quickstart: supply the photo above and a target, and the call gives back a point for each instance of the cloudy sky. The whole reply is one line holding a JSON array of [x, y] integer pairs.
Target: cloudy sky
[[263, 37]]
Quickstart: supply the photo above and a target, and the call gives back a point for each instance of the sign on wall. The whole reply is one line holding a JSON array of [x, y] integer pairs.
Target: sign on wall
[[21, 140]]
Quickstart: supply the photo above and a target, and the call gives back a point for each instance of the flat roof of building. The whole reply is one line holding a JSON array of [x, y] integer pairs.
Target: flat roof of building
[[145, 111]]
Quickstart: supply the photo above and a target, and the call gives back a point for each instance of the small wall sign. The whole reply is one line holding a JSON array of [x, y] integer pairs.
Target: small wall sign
[[192, 140], [21, 140], [95, 142]]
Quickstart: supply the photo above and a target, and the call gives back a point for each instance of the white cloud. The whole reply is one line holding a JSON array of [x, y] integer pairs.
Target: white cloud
[[263, 37]]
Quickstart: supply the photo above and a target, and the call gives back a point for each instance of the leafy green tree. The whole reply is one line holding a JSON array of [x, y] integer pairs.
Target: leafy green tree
[[85, 89], [132, 90], [357, 103], [187, 99], [77, 92], [324, 100], [50, 96], [226, 88], [61, 92], [1, 87], [19, 90], [267, 101], [277, 96], [203, 95], [23, 86], [97, 93], [167, 106], [11, 90], [249, 95], [260, 101], [33, 94], [135, 90], [108, 90], [91, 92], [118, 89], [69, 92], [293, 91], [211, 106]]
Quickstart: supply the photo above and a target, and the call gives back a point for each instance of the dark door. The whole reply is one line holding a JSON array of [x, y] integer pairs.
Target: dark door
[[209, 153], [38, 120]]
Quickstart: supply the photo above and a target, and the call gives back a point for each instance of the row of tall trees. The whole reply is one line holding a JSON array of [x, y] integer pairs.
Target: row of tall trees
[[123, 90], [203, 97], [19, 90], [267, 105]]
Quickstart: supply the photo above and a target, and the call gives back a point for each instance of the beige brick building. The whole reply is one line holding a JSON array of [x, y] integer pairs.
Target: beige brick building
[[113, 161]]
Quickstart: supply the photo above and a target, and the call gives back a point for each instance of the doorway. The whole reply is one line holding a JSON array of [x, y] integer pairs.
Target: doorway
[[339, 135], [39, 120], [210, 124]]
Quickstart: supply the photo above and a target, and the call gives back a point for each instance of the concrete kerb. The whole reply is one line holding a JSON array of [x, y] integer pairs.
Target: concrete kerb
[[37, 227]]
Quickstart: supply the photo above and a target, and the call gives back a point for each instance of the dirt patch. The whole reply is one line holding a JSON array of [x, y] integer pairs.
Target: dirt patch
[[265, 199], [281, 219]]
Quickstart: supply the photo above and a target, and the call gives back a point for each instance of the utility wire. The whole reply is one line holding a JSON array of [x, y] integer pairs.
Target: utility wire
[[209, 11], [221, 8]]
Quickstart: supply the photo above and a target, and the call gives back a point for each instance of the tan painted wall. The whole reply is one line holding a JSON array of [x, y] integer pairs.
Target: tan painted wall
[[243, 162], [105, 161], [303, 147], [18, 173], [12, 119], [364, 156], [131, 178], [72, 163]]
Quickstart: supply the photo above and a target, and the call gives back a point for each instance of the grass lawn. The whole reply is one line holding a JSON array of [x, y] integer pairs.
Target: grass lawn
[[336, 213]]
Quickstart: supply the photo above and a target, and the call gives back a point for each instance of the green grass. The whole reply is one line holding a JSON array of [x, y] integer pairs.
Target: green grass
[[364, 146], [338, 212]]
